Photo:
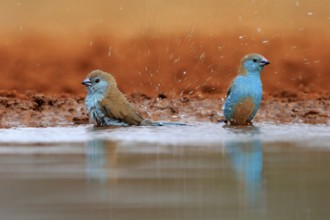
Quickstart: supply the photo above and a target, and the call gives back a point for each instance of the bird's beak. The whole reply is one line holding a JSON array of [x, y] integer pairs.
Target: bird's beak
[[86, 82], [264, 62]]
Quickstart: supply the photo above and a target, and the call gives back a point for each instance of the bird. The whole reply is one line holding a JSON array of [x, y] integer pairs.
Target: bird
[[106, 105], [245, 92]]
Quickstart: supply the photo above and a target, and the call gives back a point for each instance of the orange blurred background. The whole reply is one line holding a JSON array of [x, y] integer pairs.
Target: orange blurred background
[[157, 46]]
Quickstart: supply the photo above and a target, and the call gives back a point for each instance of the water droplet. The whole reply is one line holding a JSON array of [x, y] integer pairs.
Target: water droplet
[[202, 56], [177, 60], [110, 51]]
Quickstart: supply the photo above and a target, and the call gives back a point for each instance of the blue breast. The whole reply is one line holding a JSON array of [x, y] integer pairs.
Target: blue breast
[[243, 87]]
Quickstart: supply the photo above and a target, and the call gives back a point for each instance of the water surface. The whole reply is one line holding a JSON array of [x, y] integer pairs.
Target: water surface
[[204, 171]]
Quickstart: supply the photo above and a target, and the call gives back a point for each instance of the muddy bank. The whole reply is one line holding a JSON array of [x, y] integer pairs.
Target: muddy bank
[[182, 76], [38, 110]]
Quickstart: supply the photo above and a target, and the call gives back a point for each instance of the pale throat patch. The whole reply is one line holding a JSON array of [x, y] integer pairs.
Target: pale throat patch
[[243, 110], [92, 103]]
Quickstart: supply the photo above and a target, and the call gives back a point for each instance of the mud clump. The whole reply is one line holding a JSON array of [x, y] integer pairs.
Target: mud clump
[[315, 117]]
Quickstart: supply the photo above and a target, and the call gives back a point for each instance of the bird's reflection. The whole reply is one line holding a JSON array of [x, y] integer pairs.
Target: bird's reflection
[[246, 158], [101, 157]]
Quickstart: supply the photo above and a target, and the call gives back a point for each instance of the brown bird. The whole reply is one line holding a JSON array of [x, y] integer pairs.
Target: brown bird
[[107, 106]]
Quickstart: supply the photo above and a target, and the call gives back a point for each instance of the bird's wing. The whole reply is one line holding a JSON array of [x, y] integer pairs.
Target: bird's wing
[[117, 107], [228, 92], [230, 89]]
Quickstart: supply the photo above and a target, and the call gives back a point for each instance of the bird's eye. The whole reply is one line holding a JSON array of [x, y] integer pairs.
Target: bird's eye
[[255, 60], [97, 80]]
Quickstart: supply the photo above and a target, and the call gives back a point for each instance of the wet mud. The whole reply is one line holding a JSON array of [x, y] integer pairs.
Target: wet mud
[[40, 110]]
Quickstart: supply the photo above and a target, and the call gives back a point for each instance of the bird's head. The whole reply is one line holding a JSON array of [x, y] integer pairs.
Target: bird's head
[[252, 63], [99, 82]]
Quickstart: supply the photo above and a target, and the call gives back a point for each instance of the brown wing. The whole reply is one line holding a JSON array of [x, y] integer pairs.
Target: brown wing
[[117, 107]]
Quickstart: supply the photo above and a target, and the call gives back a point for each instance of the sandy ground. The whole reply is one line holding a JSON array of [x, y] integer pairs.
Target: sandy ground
[[39, 110]]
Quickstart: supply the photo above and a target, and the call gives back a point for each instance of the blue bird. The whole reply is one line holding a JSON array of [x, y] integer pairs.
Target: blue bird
[[245, 92], [107, 106]]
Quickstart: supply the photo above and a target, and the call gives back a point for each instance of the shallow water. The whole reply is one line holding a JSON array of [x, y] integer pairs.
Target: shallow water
[[203, 171]]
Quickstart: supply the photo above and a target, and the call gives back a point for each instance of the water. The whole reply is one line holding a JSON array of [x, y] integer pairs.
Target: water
[[204, 171]]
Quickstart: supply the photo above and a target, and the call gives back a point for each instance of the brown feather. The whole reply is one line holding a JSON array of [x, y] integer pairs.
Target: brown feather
[[243, 111], [115, 105]]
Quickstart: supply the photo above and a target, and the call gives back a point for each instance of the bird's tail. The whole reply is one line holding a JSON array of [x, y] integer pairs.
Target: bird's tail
[[160, 123]]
